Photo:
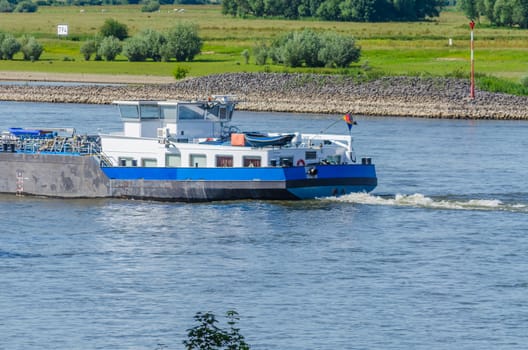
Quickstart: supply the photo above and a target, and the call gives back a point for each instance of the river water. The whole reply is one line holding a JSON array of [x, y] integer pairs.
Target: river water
[[434, 258]]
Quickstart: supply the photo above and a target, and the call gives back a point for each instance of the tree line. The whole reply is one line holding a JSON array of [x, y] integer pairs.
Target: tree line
[[180, 42], [32, 6], [336, 10], [508, 13]]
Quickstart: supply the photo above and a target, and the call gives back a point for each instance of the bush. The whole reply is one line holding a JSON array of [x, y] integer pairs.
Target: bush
[[31, 49], [26, 6], [338, 50], [111, 27], [311, 49], [261, 53], [88, 49], [9, 47], [135, 49], [154, 42], [245, 54], [183, 43], [150, 6], [180, 72], [109, 48], [524, 81], [207, 335], [147, 44], [5, 6]]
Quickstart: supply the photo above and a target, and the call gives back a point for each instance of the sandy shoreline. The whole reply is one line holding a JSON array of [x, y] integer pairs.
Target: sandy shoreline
[[84, 78], [281, 92]]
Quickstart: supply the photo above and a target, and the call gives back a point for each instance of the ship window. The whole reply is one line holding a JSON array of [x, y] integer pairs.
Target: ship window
[[310, 155], [252, 161], [286, 161], [334, 159], [190, 112], [224, 161], [129, 112], [149, 112], [222, 113], [198, 160], [147, 162], [173, 160], [168, 112], [127, 161]]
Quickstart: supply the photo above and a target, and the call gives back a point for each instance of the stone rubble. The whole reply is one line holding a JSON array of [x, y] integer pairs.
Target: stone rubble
[[301, 93]]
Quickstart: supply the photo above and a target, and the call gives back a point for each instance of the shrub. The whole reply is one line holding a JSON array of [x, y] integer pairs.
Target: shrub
[[154, 43], [338, 50], [524, 81], [261, 53], [111, 27], [135, 49], [180, 72], [26, 6], [183, 43], [88, 49], [311, 49], [9, 47], [207, 335], [5, 6], [150, 6], [31, 48], [245, 54], [109, 48]]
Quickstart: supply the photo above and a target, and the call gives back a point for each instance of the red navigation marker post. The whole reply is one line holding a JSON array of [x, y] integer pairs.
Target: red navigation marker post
[[472, 88]]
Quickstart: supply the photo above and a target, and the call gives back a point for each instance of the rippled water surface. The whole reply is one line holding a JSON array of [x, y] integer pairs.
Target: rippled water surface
[[434, 258]]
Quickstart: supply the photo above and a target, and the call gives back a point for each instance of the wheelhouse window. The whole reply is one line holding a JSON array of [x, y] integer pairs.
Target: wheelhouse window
[[198, 160], [190, 112], [129, 111], [224, 161], [168, 112], [173, 160], [251, 161], [149, 111]]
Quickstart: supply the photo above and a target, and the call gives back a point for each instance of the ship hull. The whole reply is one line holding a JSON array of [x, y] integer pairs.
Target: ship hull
[[73, 176]]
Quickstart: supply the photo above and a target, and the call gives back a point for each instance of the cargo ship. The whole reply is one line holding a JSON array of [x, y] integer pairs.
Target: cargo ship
[[181, 151]]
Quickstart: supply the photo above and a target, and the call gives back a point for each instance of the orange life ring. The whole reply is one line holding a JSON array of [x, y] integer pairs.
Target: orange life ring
[[301, 162]]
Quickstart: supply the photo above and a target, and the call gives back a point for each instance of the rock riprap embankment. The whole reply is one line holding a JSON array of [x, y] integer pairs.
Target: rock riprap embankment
[[307, 93]]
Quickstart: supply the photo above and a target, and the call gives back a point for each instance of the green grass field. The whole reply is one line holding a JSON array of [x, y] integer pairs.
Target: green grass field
[[387, 48]]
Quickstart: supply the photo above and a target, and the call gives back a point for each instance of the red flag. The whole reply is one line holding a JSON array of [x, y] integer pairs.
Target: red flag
[[348, 119]]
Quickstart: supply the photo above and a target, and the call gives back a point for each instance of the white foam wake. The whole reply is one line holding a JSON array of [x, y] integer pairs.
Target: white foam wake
[[418, 200]]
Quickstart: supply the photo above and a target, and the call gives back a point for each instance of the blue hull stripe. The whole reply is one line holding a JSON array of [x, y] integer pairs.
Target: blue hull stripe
[[333, 172]]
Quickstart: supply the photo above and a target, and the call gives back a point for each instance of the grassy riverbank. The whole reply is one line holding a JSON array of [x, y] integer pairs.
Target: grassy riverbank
[[420, 49]]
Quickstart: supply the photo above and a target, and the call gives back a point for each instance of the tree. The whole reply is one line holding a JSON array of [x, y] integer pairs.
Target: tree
[[520, 13], [26, 6], [135, 49], [109, 48], [111, 27], [338, 50], [150, 6], [89, 48], [154, 43], [183, 43], [9, 47], [31, 48], [5, 6], [260, 50]]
